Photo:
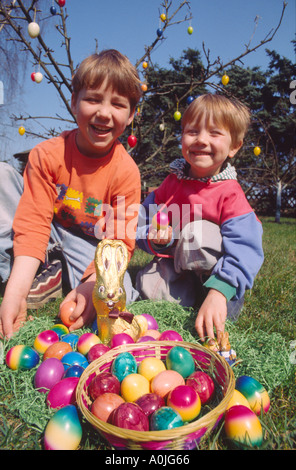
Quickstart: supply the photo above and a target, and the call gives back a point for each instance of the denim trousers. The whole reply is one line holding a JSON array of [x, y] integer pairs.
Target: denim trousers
[[76, 252]]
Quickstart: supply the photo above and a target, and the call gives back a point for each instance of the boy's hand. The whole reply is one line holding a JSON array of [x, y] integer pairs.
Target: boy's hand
[[212, 313], [84, 312], [13, 312], [161, 236]]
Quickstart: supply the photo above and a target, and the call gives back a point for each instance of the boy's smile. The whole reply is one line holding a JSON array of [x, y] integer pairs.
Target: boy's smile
[[102, 115], [205, 146]]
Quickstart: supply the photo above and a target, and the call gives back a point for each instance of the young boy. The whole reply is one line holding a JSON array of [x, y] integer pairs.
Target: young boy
[[77, 189], [212, 249]]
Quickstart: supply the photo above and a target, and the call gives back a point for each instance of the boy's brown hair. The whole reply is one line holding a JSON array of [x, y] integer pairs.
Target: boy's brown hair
[[228, 113], [122, 75]]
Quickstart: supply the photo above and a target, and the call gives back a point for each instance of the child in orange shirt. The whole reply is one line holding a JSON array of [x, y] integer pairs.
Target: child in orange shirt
[[76, 190]]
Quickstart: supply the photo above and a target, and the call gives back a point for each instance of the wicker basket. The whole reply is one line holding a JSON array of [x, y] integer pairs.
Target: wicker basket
[[185, 437]]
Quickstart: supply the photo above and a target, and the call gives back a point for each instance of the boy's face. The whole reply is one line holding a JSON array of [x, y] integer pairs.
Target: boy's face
[[102, 116], [205, 146]]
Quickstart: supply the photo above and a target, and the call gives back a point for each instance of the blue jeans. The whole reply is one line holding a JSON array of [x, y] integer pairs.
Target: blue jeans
[[76, 251]]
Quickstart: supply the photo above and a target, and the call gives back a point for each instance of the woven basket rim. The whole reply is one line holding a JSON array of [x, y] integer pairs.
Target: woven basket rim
[[207, 421]]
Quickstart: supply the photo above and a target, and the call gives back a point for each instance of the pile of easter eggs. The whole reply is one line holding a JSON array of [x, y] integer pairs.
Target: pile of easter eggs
[[150, 394]]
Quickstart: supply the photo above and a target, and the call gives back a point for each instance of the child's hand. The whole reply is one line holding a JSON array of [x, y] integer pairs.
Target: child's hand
[[212, 313], [161, 236], [13, 312], [84, 312]]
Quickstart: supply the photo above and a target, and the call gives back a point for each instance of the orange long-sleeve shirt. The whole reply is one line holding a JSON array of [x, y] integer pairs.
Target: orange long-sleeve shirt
[[95, 197]]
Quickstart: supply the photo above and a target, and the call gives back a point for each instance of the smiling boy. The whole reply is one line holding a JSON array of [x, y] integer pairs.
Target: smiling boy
[[212, 249], [71, 184]]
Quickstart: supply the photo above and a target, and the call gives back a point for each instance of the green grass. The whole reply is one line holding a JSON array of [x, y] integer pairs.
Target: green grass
[[261, 338]]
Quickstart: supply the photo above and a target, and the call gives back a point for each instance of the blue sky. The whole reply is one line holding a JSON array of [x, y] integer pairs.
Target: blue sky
[[224, 26]]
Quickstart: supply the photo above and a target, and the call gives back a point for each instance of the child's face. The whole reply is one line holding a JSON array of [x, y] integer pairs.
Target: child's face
[[102, 116], [205, 146]]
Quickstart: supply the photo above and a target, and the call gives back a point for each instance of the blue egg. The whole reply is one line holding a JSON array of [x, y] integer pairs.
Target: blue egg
[[72, 339], [165, 418], [123, 365], [74, 358], [74, 371]]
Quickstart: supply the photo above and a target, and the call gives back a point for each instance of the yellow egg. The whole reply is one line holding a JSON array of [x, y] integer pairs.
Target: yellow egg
[[257, 151], [22, 130], [150, 367], [225, 79], [238, 399], [134, 386]]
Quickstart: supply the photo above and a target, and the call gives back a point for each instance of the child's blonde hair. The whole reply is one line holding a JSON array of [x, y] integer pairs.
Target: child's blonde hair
[[114, 66], [230, 114]]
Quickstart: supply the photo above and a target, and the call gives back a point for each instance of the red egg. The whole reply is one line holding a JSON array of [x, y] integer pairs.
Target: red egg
[[170, 335], [61, 2], [130, 416], [203, 384], [66, 311], [103, 383], [120, 339], [132, 141], [97, 351], [104, 404], [150, 402]]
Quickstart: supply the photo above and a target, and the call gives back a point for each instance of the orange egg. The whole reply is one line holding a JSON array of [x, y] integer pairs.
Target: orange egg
[[57, 350], [66, 311]]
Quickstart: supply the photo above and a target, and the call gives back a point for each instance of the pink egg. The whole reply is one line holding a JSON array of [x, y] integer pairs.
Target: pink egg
[[165, 381], [186, 401], [152, 323], [104, 404], [97, 351], [170, 335], [150, 402], [143, 339], [120, 339], [103, 383], [86, 341], [49, 373], [44, 340], [203, 384], [130, 416], [63, 393]]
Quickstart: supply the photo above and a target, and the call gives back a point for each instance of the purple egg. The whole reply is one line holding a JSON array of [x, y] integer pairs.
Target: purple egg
[[152, 323], [48, 374], [150, 402], [170, 335], [97, 351], [120, 339], [145, 338], [63, 393], [130, 416]]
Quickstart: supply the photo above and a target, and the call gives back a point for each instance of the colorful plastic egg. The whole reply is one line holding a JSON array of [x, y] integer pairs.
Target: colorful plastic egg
[[165, 418], [63, 393], [238, 399], [66, 311], [74, 358], [72, 339], [186, 401], [130, 416], [242, 426], [97, 351], [74, 371], [103, 383], [63, 431], [60, 329], [57, 350], [33, 29], [160, 221], [49, 373], [22, 357], [120, 339], [104, 404], [38, 77], [44, 340], [86, 341], [124, 364], [254, 392], [165, 381], [150, 402], [151, 322], [133, 386], [150, 367], [170, 335], [203, 384], [180, 360]]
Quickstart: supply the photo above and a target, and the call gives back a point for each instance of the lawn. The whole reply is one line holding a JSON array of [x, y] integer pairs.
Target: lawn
[[261, 338]]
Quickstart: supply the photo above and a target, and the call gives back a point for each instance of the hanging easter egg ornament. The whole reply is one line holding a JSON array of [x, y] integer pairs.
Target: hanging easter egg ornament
[[177, 115], [33, 29], [159, 32], [144, 87], [189, 99], [163, 17], [190, 30], [225, 79], [132, 141], [21, 130], [33, 76], [53, 10], [38, 77], [62, 3], [145, 65], [257, 151], [161, 127]]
